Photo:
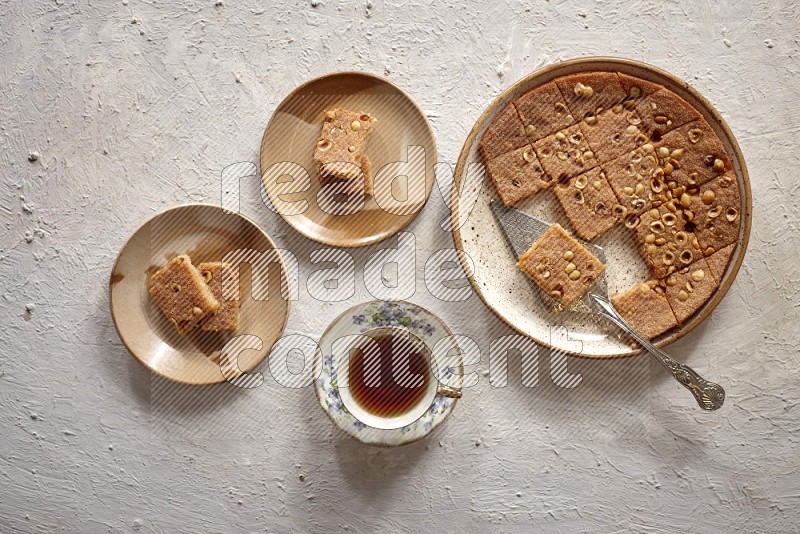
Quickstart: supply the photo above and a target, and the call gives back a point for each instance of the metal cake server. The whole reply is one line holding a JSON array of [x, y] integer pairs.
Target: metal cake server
[[521, 230]]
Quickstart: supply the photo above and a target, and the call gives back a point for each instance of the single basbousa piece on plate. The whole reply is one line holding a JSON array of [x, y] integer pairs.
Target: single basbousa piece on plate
[[646, 309], [339, 153], [689, 288], [560, 265], [222, 279], [503, 135], [565, 153], [589, 203], [543, 111], [179, 290], [590, 93], [517, 174]]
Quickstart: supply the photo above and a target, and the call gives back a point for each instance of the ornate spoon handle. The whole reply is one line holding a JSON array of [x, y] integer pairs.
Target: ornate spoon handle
[[709, 396]]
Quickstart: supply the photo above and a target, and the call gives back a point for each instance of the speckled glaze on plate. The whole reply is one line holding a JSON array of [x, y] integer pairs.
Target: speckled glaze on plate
[[206, 233], [291, 137], [359, 319], [506, 291]]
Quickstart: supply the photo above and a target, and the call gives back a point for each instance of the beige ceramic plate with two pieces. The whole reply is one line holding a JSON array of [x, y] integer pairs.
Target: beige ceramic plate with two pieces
[[205, 233], [507, 292], [401, 148]]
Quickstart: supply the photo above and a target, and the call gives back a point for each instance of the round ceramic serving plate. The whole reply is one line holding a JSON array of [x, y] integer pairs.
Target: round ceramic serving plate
[[401, 149], [506, 291], [205, 233], [366, 316]]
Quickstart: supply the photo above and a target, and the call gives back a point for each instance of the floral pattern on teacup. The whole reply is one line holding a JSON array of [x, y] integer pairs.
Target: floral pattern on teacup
[[360, 319]]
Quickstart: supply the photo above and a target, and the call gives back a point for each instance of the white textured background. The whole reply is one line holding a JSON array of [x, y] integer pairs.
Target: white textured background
[[134, 107]]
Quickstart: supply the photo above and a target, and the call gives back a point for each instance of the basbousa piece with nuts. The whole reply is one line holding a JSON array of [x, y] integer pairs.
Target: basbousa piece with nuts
[[560, 265], [339, 153], [689, 288], [179, 290], [630, 176], [517, 174], [665, 242], [716, 213], [223, 281], [703, 154], [718, 261], [565, 153], [663, 111], [504, 134], [589, 203], [646, 309], [543, 111], [590, 93], [636, 88], [614, 132]]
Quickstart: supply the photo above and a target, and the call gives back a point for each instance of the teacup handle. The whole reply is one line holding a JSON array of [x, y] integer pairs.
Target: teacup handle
[[447, 391]]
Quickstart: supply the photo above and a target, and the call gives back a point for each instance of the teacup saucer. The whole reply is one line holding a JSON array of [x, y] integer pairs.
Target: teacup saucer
[[364, 317]]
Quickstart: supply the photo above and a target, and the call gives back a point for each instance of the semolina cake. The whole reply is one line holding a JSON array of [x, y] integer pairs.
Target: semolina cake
[[646, 309], [615, 148], [504, 134], [560, 265], [517, 174], [222, 280], [566, 153], [179, 290], [543, 111], [689, 288], [588, 201], [339, 153]]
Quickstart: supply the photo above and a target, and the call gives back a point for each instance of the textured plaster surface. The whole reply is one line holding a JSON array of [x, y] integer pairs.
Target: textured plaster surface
[[127, 108]]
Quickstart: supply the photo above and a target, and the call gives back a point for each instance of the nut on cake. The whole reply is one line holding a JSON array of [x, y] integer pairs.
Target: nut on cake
[[179, 290], [339, 153], [560, 265], [222, 280]]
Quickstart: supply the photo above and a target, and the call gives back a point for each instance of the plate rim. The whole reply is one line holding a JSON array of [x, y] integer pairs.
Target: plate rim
[[372, 240], [124, 247], [609, 61]]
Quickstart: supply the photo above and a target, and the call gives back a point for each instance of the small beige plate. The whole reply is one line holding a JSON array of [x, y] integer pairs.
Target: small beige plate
[[205, 233], [507, 292], [401, 190]]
